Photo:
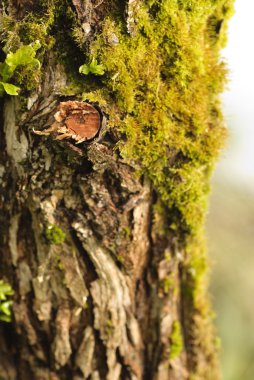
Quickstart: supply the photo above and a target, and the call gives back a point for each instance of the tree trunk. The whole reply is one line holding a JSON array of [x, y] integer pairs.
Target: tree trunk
[[102, 241]]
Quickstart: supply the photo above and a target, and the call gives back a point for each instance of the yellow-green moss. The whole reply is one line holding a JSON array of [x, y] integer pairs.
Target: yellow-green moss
[[57, 263], [176, 341], [109, 326], [6, 292], [168, 284], [54, 234], [165, 81]]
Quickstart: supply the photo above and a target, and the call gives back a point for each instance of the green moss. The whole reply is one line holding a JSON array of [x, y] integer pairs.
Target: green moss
[[54, 234], [168, 284], [5, 302], [109, 327], [57, 263], [126, 232], [199, 328], [176, 341], [168, 255], [161, 89], [120, 259], [165, 80]]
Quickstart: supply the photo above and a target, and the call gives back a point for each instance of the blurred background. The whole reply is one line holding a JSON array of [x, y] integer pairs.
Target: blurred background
[[230, 223]]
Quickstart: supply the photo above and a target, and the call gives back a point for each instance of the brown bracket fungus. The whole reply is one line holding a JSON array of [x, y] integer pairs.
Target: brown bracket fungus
[[74, 120]]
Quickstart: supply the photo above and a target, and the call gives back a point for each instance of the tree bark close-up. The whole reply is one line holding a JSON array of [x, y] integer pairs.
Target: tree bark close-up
[[110, 125]]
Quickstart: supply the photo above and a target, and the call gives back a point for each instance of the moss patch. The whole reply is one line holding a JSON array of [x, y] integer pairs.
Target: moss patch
[[176, 341], [54, 234], [165, 81], [6, 292]]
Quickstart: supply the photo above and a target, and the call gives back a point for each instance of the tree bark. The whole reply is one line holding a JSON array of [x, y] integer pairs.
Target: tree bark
[[101, 263]]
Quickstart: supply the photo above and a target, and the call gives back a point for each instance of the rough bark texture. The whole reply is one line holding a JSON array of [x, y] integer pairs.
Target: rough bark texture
[[91, 306], [114, 298]]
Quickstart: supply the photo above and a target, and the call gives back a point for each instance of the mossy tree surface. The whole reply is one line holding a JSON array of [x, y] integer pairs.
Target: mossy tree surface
[[103, 242]]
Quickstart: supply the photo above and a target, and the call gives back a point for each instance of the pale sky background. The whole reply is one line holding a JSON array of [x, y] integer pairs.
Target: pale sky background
[[237, 161], [231, 217]]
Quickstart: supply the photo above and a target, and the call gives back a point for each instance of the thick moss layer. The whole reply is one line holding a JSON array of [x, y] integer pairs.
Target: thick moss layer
[[165, 81]]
